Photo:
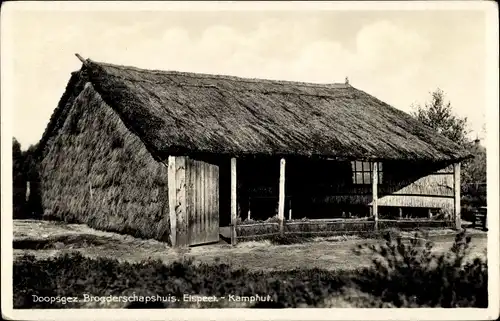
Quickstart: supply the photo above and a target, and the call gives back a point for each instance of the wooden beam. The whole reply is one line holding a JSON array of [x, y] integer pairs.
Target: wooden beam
[[84, 62], [281, 201], [375, 193], [233, 201], [456, 193], [182, 237], [172, 200]]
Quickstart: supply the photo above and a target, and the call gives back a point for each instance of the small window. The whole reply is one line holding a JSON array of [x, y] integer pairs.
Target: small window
[[362, 172]]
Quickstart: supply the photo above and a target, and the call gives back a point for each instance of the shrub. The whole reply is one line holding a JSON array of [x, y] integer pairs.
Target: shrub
[[75, 275], [409, 274]]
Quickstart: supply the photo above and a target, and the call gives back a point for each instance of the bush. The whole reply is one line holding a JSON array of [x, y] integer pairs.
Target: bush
[[473, 196], [75, 275], [410, 274]]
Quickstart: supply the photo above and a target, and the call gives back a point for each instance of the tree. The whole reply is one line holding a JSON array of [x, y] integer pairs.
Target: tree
[[439, 115], [18, 180], [30, 169], [475, 169]]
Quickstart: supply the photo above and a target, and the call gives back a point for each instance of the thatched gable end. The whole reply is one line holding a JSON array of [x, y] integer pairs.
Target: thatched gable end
[[74, 87], [95, 171]]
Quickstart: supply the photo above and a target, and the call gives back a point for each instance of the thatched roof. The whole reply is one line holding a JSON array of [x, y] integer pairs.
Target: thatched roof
[[188, 113]]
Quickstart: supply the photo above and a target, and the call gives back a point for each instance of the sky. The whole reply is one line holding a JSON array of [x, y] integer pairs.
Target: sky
[[397, 56]]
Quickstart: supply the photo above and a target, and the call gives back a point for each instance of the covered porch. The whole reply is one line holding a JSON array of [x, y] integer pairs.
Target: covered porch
[[281, 193]]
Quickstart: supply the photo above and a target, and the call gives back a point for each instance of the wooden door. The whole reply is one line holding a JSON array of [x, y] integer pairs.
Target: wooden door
[[202, 202]]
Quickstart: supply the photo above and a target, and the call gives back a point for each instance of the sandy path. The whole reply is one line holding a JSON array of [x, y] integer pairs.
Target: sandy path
[[326, 253]]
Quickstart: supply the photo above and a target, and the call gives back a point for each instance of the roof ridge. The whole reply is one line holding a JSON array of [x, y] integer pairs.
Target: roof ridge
[[264, 91], [228, 77]]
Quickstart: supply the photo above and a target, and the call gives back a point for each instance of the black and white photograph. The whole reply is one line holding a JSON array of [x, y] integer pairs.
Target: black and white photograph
[[250, 160]]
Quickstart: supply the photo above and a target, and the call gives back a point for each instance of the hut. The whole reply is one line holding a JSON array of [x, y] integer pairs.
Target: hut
[[174, 156]]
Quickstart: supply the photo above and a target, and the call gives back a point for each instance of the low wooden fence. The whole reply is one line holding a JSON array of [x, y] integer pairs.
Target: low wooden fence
[[331, 227], [257, 231]]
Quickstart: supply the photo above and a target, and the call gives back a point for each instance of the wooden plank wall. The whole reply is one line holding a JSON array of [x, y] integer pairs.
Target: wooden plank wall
[[193, 192], [434, 190], [202, 202], [400, 188]]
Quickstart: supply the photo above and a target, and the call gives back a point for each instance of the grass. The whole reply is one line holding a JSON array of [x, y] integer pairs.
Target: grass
[[401, 274], [325, 253]]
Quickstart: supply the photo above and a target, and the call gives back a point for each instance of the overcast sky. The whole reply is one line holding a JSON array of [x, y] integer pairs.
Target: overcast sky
[[399, 57]]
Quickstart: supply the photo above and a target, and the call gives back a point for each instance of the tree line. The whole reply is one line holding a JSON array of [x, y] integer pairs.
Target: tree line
[[26, 182]]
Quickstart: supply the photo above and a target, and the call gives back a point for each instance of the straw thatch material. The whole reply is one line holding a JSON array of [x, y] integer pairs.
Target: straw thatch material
[[73, 89], [95, 171], [186, 113]]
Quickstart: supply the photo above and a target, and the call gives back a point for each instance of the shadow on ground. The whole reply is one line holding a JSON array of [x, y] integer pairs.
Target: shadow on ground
[[62, 241]]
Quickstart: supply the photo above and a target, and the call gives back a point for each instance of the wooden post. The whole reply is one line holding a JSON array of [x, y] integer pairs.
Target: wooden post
[[28, 191], [456, 195], [289, 209], [249, 212], [429, 213], [233, 201], [400, 213], [375, 193], [177, 201], [172, 200], [281, 200], [180, 207]]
